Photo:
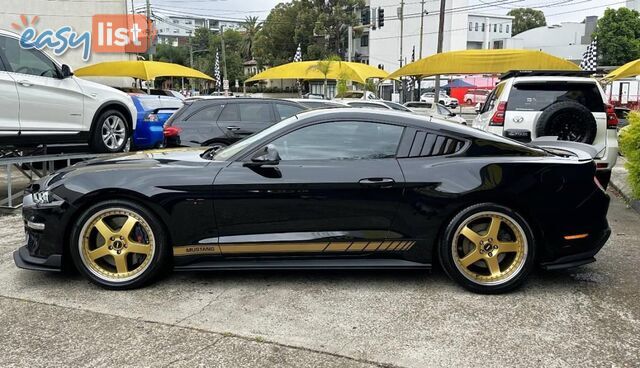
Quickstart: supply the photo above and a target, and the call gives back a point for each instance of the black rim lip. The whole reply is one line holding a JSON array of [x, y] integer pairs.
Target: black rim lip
[[556, 127]]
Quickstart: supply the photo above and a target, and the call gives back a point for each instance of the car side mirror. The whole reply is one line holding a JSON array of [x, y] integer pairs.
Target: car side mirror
[[66, 71], [267, 155]]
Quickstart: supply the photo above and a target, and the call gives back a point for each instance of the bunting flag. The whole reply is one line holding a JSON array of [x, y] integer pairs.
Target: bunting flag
[[298, 56], [216, 72], [590, 57]]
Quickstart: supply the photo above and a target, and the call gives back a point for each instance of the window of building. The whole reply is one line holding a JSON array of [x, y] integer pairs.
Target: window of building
[[495, 27], [476, 27], [500, 28], [471, 26], [507, 28], [364, 40], [482, 27], [175, 21]]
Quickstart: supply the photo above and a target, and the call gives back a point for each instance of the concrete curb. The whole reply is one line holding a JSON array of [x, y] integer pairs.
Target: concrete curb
[[619, 182]]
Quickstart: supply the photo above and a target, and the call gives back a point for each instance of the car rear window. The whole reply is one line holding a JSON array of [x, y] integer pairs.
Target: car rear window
[[539, 96]]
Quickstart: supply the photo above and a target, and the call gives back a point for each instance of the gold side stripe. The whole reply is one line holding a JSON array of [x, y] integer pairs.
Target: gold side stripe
[[291, 247]]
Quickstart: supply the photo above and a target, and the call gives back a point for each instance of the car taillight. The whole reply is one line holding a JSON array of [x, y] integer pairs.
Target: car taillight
[[612, 118], [498, 117], [170, 131]]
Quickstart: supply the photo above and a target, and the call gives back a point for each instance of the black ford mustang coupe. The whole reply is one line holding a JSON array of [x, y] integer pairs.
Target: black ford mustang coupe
[[332, 189]]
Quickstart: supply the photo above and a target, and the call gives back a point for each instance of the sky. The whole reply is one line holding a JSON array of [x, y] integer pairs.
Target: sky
[[556, 11]]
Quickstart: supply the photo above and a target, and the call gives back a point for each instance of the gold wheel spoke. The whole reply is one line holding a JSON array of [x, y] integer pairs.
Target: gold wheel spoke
[[125, 230], [99, 252], [509, 247], [121, 263], [140, 248], [494, 266], [104, 229], [471, 235], [494, 227], [471, 258]]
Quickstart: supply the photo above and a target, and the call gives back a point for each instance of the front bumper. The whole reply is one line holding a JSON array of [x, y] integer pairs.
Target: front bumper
[[24, 260], [579, 259]]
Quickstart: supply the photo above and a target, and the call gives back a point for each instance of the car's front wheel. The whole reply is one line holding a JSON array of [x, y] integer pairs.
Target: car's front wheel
[[488, 248], [119, 245], [110, 134]]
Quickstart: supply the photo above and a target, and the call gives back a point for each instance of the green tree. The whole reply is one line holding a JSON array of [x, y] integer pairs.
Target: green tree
[[618, 35], [251, 28], [526, 18], [233, 41], [630, 147], [334, 17], [324, 67], [171, 54]]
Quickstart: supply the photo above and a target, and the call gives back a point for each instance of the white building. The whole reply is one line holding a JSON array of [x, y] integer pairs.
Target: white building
[[54, 14], [567, 40], [462, 30], [175, 30]]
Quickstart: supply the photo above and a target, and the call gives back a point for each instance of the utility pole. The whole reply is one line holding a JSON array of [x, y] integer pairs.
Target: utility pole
[[349, 43], [149, 25], [420, 52], [224, 58], [436, 94]]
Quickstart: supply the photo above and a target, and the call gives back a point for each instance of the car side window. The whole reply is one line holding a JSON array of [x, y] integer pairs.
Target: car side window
[[209, 113], [230, 113], [31, 61], [443, 110], [340, 141], [255, 112], [286, 110]]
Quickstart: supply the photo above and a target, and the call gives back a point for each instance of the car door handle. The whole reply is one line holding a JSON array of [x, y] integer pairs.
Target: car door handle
[[381, 182], [233, 128], [25, 83]]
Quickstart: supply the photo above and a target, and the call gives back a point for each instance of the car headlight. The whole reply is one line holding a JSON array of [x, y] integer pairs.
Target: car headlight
[[42, 197]]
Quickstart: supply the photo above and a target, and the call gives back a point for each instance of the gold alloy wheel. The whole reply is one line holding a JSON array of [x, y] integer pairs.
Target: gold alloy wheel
[[489, 248], [116, 244]]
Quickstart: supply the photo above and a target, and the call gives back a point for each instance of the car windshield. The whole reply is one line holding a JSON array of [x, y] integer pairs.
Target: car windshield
[[230, 151]]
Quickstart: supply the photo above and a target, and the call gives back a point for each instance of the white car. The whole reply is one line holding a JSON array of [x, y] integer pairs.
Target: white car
[[42, 102], [568, 105], [434, 110], [357, 95], [474, 96], [378, 104], [443, 100]]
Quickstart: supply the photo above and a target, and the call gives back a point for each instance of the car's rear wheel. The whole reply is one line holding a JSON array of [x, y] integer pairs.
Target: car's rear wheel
[[469, 102], [488, 248], [217, 145], [110, 133], [119, 245]]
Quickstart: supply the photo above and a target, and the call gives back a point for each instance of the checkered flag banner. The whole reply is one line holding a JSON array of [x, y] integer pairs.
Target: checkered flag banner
[[590, 57], [216, 72], [298, 56]]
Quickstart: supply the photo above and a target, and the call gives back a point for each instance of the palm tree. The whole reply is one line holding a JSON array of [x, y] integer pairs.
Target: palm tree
[[251, 27], [324, 67]]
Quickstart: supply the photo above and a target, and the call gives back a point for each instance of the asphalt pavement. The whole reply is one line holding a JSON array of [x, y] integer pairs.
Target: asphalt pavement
[[586, 317]]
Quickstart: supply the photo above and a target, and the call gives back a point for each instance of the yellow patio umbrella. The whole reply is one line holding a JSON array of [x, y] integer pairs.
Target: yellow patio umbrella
[[356, 72], [140, 69], [483, 62], [630, 69]]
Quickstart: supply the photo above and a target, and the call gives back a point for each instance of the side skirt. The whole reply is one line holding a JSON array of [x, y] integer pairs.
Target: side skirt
[[310, 264]]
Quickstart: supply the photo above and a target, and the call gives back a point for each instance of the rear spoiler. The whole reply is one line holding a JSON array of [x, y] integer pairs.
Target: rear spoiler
[[582, 150], [155, 111]]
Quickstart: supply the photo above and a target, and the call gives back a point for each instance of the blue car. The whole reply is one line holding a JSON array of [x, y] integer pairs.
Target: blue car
[[153, 111]]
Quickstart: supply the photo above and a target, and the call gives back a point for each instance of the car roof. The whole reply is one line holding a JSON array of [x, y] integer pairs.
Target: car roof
[[222, 100], [373, 102], [553, 78]]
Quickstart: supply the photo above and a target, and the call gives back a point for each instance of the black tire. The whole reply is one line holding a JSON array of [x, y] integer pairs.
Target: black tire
[[98, 144], [153, 268], [569, 121], [219, 145], [441, 102], [469, 102], [518, 268]]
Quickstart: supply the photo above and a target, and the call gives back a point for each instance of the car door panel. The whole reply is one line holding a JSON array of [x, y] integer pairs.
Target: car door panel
[[9, 105], [239, 120]]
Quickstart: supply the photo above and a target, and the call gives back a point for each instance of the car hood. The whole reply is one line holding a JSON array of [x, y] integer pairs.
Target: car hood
[[142, 162]]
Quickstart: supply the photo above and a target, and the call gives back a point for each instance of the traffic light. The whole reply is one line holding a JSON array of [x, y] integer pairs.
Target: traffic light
[[365, 16], [380, 17]]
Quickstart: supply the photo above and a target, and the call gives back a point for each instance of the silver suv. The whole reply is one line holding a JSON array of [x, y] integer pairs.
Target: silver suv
[[568, 105]]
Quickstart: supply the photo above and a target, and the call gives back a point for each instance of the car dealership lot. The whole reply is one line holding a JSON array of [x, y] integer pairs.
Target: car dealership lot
[[589, 316]]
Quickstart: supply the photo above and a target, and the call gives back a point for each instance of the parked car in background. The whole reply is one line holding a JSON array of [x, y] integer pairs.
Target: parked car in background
[[622, 114], [434, 110], [42, 102], [474, 96], [360, 95], [220, 122], [166, 92], [317, 104], [568, 105], [378, 104], [153, 112], [444, 99]]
